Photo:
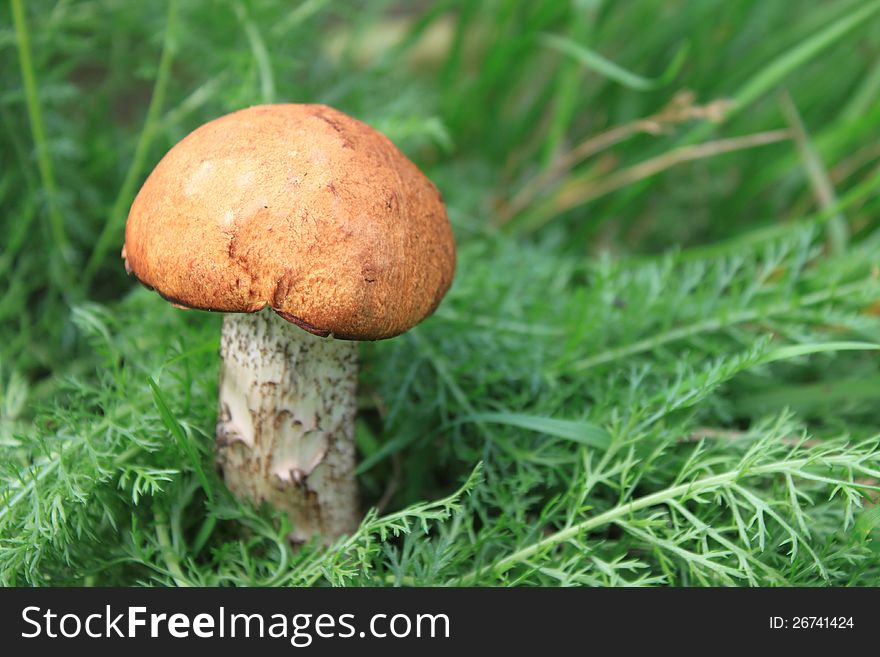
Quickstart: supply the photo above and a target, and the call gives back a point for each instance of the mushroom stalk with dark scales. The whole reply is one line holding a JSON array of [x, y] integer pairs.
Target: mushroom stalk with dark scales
[[285, 431], [312, 230]]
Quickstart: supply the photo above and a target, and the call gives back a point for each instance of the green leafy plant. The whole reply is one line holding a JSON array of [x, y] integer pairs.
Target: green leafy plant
[[658, 364]]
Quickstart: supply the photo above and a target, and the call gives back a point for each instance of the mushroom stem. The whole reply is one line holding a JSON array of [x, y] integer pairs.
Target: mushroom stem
[[285, 433]]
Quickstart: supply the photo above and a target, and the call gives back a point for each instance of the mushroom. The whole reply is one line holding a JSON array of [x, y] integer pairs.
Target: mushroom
[[311, 230]]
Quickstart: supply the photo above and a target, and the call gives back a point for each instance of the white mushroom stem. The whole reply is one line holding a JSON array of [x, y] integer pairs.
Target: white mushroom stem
[[285, 433]]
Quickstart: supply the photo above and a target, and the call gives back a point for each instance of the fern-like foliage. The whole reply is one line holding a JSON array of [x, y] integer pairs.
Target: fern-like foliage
[[657, 364]]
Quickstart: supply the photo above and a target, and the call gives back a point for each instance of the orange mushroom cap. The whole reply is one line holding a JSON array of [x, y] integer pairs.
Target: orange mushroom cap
[[297, 207]]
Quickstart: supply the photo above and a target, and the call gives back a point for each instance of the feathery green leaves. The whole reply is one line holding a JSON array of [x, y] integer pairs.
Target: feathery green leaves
[[673, 383]]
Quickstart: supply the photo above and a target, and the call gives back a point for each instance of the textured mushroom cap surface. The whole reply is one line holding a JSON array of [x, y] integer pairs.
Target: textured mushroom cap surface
[[298, 207]]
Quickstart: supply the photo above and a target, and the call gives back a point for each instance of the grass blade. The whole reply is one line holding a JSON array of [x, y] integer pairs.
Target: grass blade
[[186, 446], [35, 115], [118, 213], [838, 233], [584, 188], [579, 431], [788, 62], [605, 67], [796, 350], [261, 54]]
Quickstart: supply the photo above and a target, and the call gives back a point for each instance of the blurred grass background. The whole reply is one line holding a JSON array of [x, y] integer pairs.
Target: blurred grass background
[[653, 202]]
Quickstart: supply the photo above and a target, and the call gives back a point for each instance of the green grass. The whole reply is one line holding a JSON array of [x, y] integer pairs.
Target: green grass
[[657, 364]]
